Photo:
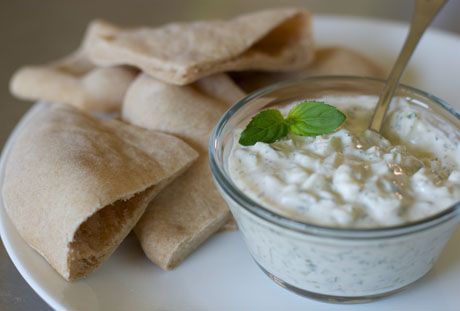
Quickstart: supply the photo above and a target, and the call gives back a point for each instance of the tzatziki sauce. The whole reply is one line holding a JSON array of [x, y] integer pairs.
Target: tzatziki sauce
[[354, 177]]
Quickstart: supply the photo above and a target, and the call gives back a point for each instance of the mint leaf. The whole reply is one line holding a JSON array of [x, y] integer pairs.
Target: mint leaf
[[267, 126], [311, 118]]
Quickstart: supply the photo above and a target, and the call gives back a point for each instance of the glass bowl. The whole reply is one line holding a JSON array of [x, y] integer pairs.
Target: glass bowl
[[325, 263]]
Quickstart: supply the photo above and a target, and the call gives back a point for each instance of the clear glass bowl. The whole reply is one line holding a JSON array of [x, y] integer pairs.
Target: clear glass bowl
[[331, 264]]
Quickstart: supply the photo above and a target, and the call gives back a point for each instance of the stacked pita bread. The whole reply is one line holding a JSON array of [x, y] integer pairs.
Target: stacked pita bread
[[75, 186]]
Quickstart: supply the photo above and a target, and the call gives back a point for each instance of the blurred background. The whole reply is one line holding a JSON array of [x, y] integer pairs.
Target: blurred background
[[34, 32]]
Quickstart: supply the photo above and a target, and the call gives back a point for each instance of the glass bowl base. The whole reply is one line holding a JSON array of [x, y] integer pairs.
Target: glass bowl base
[[330, 298]]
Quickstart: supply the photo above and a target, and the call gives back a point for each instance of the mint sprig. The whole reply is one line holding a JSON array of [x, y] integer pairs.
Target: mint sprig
[[309, 118]]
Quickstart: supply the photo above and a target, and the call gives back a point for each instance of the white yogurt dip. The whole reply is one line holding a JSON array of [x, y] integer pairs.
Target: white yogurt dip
[[355, 177]]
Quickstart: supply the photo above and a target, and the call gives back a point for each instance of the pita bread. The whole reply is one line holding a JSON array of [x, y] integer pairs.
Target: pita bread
[[75, 80], [181, 53], [223, 88], [75, 186], [220, 87], [328, 61], [230, 225], [190, 210]]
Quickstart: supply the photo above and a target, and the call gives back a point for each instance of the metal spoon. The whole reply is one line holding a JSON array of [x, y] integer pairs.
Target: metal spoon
[[425, 11]]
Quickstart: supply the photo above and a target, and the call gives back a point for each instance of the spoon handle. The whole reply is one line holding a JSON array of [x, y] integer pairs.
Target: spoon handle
[[425, 11]]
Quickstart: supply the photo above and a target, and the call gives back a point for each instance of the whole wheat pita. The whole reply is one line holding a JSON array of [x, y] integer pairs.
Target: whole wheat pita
[[220, 87], [75, 186], [75, 80], [328, 61], [181, 53], [188, 211]]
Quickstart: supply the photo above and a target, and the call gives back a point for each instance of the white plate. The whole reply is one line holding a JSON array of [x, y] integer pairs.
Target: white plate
[[221, 275]]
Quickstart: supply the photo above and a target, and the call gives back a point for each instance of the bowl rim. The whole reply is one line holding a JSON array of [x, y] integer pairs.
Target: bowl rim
[[226, 185]]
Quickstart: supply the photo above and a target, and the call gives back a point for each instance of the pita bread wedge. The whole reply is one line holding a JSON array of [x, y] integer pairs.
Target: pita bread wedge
[[181, 53], [75, 186], [220, 87], [188, 211], [75, 80], [328, 61], [230, 225]]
